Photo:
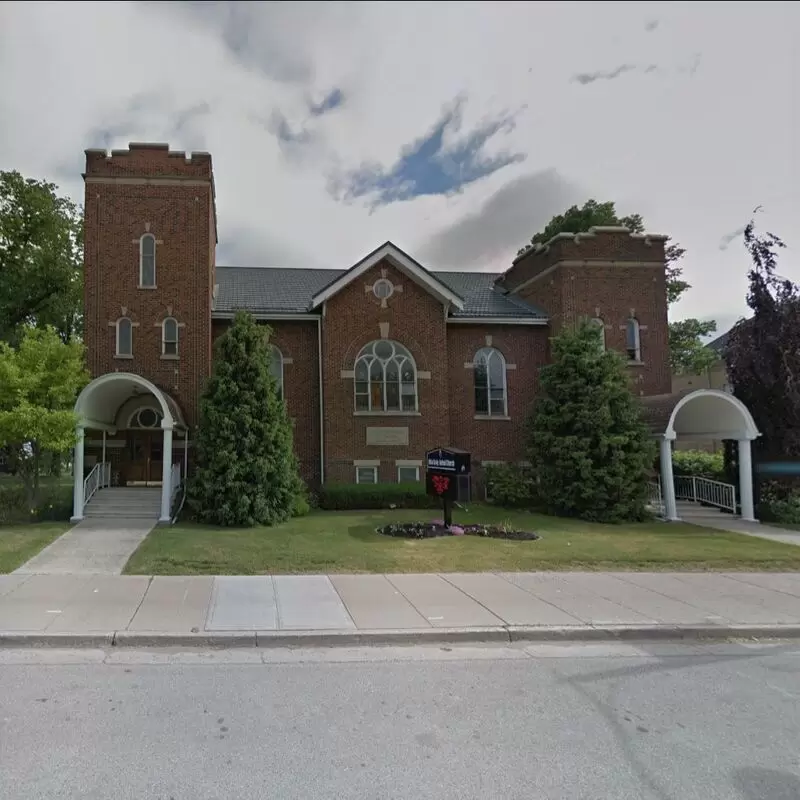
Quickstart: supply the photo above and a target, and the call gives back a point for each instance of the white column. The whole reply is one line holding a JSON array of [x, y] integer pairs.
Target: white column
[[166, 475], [667, 481], [185, 454], [746, 481], [77, 471], [103, 462]]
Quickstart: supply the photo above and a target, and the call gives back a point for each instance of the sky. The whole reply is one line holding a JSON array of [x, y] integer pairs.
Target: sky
[[455, 130]]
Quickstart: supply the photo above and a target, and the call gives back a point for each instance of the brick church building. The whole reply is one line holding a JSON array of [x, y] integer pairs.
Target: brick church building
[[377, 361]]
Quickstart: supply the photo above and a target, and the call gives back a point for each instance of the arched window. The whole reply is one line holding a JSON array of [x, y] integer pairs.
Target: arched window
[[169, 337], [124, 337], [633, 341], [490, 383], [385, 378], [147, 260], [276, 368], [601, 330]]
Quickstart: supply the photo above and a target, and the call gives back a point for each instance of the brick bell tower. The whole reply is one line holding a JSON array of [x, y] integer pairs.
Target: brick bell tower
[[149, 258]]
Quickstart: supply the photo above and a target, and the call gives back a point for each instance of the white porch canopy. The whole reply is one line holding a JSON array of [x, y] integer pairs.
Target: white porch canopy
[[98, 407], [702, 414]]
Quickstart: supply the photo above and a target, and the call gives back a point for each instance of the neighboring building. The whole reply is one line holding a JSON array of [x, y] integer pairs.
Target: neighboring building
[[377, 363]]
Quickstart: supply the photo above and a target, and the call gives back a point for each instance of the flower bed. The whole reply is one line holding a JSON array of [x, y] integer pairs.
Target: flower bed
[[430, 530]]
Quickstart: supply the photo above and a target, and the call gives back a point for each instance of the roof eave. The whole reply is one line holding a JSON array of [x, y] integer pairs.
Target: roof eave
[[402, 261]]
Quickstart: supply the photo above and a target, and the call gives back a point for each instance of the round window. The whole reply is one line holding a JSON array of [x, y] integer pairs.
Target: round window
[[148, 418], [382, 289]]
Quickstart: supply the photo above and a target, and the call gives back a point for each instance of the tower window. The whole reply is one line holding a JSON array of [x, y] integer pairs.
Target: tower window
[[124, 337], [147, 261], [633, 340], [169, 337]]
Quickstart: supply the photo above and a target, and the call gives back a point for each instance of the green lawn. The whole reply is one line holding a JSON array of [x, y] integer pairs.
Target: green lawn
[[18, 543], [341, 541]]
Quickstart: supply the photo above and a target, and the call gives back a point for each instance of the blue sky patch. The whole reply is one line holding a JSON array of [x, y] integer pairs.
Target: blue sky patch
[[438, 163], [332, 100]]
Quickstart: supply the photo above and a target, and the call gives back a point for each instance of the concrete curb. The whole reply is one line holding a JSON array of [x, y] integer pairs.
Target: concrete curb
[[405, 636]]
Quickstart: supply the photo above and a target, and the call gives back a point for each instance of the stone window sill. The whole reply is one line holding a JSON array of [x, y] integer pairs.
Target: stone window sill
[[635, 363], [387, 414], [147, 287], [167, 357], [492, 417], [123, 356]]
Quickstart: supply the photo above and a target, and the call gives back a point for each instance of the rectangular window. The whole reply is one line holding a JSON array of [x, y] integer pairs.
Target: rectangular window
[[407, 474], [366, 474]]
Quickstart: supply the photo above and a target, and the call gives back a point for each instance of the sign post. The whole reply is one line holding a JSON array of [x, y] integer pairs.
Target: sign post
[[443, 466]]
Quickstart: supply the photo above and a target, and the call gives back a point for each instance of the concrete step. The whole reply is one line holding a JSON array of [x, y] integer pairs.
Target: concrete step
[[140, 514]]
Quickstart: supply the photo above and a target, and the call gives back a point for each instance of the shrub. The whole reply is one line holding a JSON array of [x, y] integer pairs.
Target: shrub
[[587, 443], [352, 496], [246, 471], [780, 503], [301, 506], [699, 463], [54, 504], [509, 485]]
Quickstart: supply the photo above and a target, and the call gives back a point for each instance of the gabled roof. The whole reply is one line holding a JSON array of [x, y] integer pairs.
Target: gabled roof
[[276, 291], [720, 343], [413, 269]]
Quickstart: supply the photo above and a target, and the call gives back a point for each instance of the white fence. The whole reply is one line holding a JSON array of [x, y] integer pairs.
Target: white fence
[[98, 478], [704, 490]]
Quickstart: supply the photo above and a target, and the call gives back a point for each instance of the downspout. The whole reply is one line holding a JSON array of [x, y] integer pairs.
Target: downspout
[[321, 401]]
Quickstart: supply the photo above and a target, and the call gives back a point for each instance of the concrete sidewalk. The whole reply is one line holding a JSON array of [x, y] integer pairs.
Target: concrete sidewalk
[[347, 609]]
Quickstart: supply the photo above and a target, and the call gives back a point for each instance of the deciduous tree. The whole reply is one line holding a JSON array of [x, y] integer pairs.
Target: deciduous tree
[[762, 352], [39, 382], [41, 258]]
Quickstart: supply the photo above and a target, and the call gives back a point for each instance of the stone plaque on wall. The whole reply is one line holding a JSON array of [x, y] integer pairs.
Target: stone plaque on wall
[[387, 436]]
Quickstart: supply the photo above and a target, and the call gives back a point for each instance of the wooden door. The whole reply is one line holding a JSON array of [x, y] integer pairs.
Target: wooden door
[[145, 455]]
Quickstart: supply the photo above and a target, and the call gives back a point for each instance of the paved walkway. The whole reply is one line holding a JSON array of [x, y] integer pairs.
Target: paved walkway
[[95, 546], [106, 604], [711, 518]]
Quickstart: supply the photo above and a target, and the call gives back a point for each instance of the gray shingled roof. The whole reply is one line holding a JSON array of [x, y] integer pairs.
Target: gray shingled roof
[[289, 291]]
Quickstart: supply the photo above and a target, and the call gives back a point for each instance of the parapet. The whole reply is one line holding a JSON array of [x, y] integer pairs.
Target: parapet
[[603, 244], [148, 160]]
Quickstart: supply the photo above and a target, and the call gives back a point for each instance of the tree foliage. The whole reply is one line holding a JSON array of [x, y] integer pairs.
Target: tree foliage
[[246, 471], [588, 447], [41, 258], [39, 382], [687, 353], [762, 352]]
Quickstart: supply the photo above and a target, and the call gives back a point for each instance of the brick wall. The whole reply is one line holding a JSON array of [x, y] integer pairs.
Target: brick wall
[[526, 350], [352, 319], [610, 275], [149, 189]]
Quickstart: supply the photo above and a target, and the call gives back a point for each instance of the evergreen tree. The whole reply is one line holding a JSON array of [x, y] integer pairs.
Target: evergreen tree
[[588, 446], [246, 471]]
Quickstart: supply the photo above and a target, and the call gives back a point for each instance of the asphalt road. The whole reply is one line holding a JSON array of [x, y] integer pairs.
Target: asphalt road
[[599, 722]]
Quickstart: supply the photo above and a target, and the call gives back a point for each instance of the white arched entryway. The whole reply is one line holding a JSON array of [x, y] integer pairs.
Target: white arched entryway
[[107, 404], [703, 414]]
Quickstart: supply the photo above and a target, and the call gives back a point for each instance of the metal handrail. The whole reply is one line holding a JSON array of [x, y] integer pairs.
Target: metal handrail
[[176, 485], [704, 490], [654, 497], [91, 483]]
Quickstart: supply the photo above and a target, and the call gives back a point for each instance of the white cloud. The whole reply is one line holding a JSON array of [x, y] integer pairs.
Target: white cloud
[[693, 144]]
